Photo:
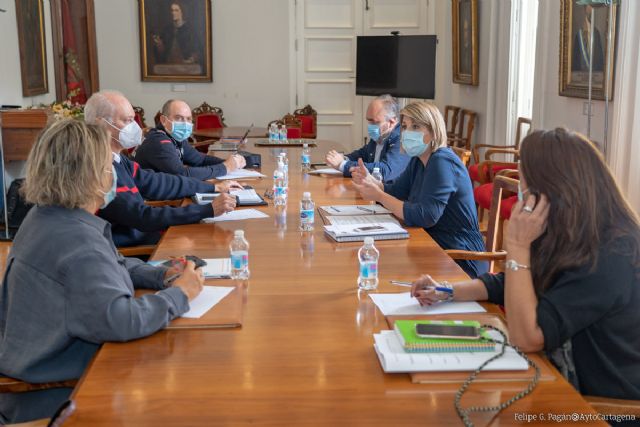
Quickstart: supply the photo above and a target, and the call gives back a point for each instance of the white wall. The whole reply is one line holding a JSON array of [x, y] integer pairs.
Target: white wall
[[551, 110], [10, 80], [249, 84]]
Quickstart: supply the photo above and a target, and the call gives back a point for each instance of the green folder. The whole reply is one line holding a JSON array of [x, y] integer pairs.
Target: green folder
[[412, 343]]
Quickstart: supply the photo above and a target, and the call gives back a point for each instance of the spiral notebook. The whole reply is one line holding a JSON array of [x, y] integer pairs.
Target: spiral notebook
[[412, 343]]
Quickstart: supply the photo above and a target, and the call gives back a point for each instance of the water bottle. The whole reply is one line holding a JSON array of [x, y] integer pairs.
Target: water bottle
[[306, 158], [285, 161], [283, 133], [307, 210], [377, 175], [368, 256], [274, 136], [279, 189], [239, 248]]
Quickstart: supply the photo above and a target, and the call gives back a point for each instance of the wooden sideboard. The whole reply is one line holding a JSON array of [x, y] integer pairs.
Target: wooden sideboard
[[20, 128]]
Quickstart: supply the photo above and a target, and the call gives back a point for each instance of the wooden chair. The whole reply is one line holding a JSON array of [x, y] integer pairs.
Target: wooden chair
[[465, 155], [605, 405], [293, 124], [139, 116], [451, 113], [308, 120], [483, 193], [464, 134], [502, 186], [207, 117], [523, 123]]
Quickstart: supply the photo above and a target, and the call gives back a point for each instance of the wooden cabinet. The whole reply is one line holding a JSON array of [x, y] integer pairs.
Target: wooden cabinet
[[20, 128]]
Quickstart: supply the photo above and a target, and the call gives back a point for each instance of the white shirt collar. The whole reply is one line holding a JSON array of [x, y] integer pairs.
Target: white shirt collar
[[116, 157]]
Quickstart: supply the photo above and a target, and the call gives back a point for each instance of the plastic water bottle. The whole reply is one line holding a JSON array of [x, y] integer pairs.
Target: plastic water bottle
[[274, 136], [306, 158], [279, 185], [307, 210], [239, 248], [376, 174], [285, 161], [283, 133], [368, 256]]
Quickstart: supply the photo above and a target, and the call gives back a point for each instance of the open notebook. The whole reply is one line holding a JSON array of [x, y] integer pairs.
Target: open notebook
[[246, 197]]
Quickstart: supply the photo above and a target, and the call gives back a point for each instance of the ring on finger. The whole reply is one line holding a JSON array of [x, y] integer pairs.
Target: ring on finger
[[528, 209]]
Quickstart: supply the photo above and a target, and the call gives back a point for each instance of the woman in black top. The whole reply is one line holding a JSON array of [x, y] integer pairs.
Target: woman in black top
[[572, 278]]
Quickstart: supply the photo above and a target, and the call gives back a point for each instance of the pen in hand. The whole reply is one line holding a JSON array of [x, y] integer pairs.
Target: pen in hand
[[410, 284]]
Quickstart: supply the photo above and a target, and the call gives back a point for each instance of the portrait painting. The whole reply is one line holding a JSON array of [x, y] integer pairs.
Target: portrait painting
[[31, 41], [465, 41], [578, 52], [175, 40]]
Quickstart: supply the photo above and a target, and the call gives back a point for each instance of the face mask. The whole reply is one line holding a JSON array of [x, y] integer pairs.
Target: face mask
[[111, 194], [181, 130], [374, 131], [521, 193], [413, 143], [130, 136]]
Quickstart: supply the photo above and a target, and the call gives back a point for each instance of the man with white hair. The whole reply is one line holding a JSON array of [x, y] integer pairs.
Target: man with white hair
[[134, 222], [383, 149]]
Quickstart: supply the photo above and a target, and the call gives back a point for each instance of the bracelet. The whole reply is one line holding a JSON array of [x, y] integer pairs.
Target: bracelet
[[513, 265], [447, 285]]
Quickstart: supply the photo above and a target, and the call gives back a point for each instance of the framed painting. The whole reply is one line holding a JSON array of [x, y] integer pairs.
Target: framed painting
[[575, 52], [31, 41], [465, 41], [175, 40]]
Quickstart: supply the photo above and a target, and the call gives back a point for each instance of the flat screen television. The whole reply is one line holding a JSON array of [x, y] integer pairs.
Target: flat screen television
[[403, 66]]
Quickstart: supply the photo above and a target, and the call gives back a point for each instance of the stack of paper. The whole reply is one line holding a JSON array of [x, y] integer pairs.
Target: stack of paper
[[237, 215], [326, 171], [357, 232], [394, 358], [245, 197], [402, 303], [360, 219], [355, 210], [210, 296], [242, 174]]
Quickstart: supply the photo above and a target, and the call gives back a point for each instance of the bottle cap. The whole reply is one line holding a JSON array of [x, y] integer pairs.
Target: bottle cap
[[368, 240], [305, 145], [306, 195], [239, 233]]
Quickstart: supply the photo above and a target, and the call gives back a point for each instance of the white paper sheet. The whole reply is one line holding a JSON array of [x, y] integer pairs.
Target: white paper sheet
[[351, 210], [326, 171], [237, 215], [365, 229], [403, 303], [242, 174], [393, 358], [244, 196], [209, 297], [360, 219], [217, 268]]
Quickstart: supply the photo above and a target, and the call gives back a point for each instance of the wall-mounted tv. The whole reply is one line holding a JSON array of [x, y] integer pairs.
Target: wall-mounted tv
[[403, 66]]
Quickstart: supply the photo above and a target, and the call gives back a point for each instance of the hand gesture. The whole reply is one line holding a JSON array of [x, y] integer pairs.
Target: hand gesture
[[234, 162], [226, 186], [424, 291], [527, 222], [224, 203], [334, 159], [190, 281]]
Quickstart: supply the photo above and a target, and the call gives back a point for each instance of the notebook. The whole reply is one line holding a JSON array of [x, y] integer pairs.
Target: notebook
[[354, 210], [357, 232], [360, 219], [246, 197], [412, 343]]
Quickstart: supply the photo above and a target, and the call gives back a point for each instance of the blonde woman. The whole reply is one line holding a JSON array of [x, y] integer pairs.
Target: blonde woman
[[66, 289], [434, 191]]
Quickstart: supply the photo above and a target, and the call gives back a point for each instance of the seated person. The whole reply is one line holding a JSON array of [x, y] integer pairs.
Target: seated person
[[571, 284], [166, 148], [66, 289], [383, 149], [434, 191], [134, 222]]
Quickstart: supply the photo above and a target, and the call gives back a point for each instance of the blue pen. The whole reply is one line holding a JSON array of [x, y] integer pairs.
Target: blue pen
[[409, 284]]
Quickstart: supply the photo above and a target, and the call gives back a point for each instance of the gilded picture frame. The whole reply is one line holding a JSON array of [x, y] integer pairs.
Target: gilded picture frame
[[464, 14], [175, 40], [32, 45], [574, 50]]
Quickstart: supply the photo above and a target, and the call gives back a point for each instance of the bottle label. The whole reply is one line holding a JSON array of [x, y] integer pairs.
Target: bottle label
[[306, 159], [239, 259], [369, 269], [307, 216], [279, 191]]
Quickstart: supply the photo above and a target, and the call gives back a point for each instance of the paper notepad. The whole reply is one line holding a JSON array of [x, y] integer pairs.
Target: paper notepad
[[393, 358], [245, 197], [402, 303], [355, 210], [326, 171], [357, 232], [360, 219], [242, 174], [412, 343], [237, 215], [209, 297], [217, 268]]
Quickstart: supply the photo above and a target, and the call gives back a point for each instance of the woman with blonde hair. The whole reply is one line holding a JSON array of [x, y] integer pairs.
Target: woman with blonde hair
[[434, 191], [66, 289], [572, 277]]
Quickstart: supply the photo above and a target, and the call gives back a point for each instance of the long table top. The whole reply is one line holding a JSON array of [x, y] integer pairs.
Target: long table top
[[304, 354]]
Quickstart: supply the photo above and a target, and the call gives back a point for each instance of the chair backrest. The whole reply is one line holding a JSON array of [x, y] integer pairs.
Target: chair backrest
[[523, 123], [466, 125], [293, 124], [207, 117], [503, 187], [309, 121], [465, 155], [139, 116], [451, 113]]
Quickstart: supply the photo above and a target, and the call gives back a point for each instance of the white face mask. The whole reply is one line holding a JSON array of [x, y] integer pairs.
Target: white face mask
[[130, 136]]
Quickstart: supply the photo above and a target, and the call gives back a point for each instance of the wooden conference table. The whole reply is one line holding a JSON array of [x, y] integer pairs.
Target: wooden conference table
[[231, 132], [304, 354]]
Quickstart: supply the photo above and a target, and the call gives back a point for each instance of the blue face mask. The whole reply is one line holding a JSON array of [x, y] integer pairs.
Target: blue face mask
[[111, 194], [374, 131], [413, 143], [181, 130]]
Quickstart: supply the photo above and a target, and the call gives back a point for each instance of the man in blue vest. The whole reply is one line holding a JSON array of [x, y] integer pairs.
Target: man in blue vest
[[383, 149], [133, 222]]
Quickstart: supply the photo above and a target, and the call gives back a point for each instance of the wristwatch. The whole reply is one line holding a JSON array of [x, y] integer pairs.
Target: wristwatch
[[513, 265]]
